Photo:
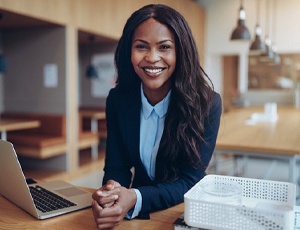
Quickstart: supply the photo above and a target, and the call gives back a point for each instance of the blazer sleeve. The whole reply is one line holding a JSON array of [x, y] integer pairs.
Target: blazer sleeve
[[164, 195], [117, 161]]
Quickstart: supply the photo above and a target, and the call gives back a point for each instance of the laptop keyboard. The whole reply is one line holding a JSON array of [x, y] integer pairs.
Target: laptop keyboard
[[47, 201]]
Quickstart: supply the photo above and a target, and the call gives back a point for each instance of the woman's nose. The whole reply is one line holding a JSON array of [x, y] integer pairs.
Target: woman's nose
[[152, 56]]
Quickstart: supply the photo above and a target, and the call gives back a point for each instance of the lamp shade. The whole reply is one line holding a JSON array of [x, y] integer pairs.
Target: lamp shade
[[257, 44], [3, 64], [241, 32], [268, 55], [91, 72], [277, 59]]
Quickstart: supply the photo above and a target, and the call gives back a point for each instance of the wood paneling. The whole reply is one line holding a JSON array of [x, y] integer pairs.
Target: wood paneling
[[230, 80]]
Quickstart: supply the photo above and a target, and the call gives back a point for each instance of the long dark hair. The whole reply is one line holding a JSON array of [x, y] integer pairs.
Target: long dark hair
[[192, 91]]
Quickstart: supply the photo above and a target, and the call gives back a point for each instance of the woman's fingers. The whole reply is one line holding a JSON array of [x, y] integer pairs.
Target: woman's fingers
[[108, 194], [106, 198], [106, 217], [110, 185]]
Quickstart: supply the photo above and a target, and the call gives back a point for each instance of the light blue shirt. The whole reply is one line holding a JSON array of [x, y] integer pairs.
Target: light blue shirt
[[151, 129]]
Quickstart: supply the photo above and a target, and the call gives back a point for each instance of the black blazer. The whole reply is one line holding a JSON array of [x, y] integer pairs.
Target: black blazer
[[122, 152]]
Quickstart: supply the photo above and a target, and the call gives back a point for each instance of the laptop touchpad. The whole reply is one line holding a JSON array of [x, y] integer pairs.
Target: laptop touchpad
[[70, 191]]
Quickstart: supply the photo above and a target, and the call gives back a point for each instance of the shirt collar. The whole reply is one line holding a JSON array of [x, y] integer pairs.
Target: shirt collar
[[160, 108]]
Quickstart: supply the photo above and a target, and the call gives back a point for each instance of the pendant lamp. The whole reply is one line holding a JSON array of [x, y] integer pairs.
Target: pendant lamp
[[268, 54], [276, 57], [241, 32], [3, 64], [257, 46], [91, 71]]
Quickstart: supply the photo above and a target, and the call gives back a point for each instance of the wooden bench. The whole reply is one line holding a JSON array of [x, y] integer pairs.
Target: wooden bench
[[49, 139]]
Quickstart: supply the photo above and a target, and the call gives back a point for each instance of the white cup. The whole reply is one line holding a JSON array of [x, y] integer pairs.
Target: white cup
[[271, 109]]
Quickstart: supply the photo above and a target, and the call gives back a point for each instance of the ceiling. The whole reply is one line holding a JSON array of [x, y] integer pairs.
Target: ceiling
[[11, 21]]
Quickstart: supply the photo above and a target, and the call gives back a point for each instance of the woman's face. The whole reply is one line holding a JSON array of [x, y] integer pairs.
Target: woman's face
[[153, 56]]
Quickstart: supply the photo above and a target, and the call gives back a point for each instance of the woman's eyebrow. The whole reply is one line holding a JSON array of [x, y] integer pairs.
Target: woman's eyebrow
[[166, 40], [140, 40], [162, 41]]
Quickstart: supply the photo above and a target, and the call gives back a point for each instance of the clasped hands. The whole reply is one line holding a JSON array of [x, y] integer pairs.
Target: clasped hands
[[111, 203]]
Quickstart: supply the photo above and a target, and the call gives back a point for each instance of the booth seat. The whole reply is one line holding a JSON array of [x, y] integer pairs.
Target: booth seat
[[49, 139]]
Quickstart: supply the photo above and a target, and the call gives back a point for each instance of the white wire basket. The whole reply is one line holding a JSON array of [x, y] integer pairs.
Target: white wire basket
[[265, 205]]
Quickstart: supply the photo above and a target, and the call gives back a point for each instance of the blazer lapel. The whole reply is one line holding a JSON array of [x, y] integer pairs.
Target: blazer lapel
[[133, 125]]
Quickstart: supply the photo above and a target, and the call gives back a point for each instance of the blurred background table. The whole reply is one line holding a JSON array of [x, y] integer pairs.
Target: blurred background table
[[15, 124], [273, 140]]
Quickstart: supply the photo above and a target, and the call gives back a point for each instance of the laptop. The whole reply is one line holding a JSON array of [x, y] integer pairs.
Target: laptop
[[58, 197]]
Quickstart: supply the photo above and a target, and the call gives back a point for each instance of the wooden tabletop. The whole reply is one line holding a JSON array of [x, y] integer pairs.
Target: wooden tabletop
[[279, 137], [16, 124], [12, 217], [94, 113]]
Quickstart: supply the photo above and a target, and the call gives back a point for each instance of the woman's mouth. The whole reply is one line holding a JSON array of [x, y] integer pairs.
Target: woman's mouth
[[153, 70]]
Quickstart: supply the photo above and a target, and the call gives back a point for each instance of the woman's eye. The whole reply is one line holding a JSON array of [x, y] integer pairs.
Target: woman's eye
[[164, 47], [140, 46]]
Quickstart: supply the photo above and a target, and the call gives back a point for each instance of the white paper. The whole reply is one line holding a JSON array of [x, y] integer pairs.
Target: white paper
[[104, 65], [50, 76]]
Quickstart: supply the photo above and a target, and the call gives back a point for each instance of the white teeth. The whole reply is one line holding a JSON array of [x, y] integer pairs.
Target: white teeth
[[153, 70]]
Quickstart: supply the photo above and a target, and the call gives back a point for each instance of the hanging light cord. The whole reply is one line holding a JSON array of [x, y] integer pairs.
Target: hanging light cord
[[267, 18], [90, 46], [274, 19], [258, 12]]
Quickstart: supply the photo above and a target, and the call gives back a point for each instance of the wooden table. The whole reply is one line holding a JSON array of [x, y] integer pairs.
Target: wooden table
[[275, 140], [16, 124], [94, 114], [12, 217]]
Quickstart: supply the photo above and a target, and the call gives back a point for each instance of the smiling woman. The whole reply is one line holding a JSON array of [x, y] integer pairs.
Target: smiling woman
[[163, 118], [153, 57]]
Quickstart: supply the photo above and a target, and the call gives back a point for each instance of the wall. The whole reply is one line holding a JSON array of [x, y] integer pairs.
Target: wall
[[85, 92], [221, 18], [27, 51]]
